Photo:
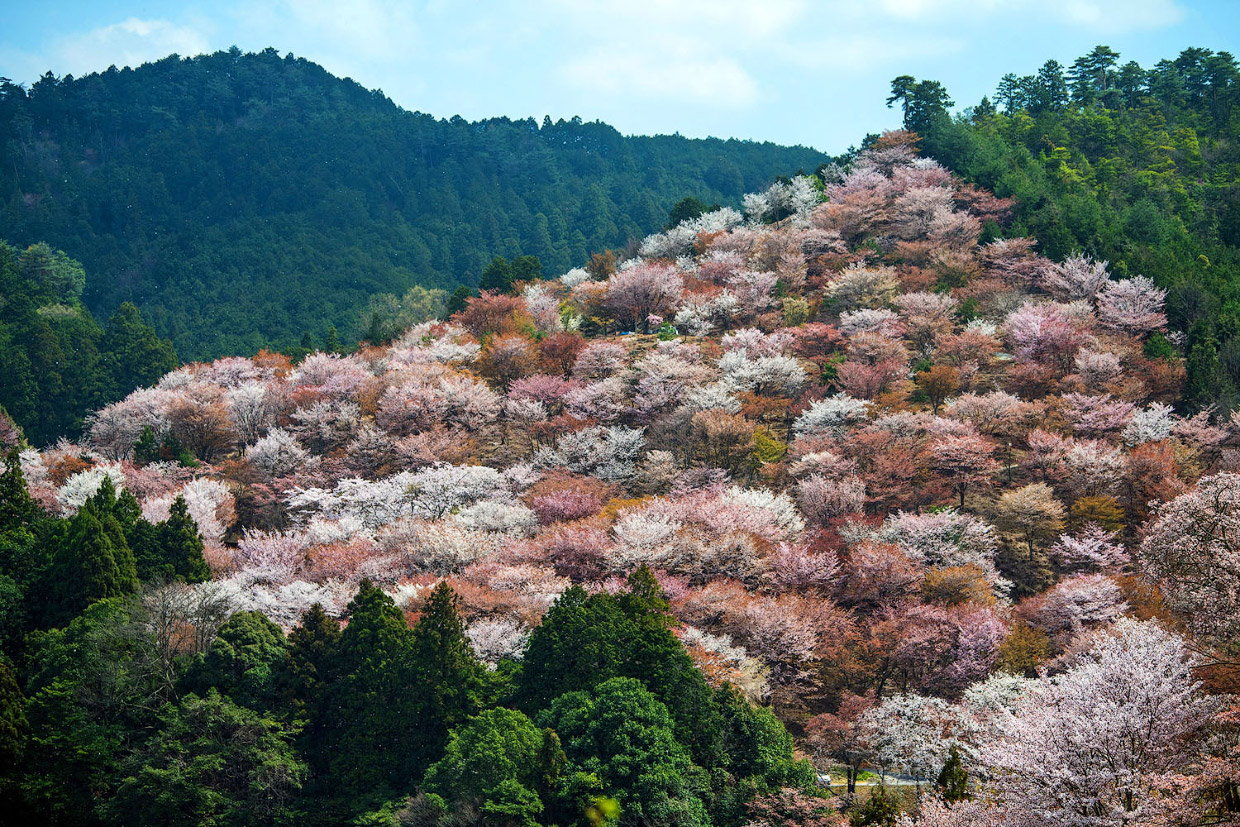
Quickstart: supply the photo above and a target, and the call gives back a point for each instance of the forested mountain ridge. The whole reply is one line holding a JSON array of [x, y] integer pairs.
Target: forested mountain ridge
[[241, 200], [1137, 166]]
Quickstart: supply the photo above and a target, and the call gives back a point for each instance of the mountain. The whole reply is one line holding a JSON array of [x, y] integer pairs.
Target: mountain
[[242, 200]]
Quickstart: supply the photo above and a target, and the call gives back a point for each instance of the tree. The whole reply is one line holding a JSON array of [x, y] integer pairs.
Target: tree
[[687, 208], [649, 289], [448, 676], [1190, 551], [210, 762], [1086, 748], [14, 728], [92, 560], [17, 508], [243, 663], [963, 460], [840, 737], [133, 354], [176, 550], [1031, 514], [938, 384], [927, 107], [368, 719], [953, 781], [497, 276], [621, 734], [497, 763], [457, 302], [902, 89]]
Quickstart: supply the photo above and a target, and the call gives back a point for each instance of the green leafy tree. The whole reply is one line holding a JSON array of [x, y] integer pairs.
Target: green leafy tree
[[622, 735], [211, 762], [495, 763], [243, 663]]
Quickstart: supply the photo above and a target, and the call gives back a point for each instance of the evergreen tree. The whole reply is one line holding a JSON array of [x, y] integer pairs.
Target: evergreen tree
[[458, 301], [92, 560], [17, 508], [133, 355], [181, 545], [331, 342], [369, 719], [497, 276], [450, 679], [953, 780]]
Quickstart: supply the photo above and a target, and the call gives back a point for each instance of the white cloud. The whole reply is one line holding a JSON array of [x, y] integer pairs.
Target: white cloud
[[362, 28], [710, 80], [130, 42], [860, 53], [1101, 16]]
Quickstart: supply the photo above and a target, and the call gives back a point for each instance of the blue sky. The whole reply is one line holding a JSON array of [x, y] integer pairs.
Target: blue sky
[[813, 72]]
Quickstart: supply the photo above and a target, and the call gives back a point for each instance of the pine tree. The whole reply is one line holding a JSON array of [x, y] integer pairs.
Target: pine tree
[[450, 678], [181, 544], [953, 780], [17, 508], [92, 561]]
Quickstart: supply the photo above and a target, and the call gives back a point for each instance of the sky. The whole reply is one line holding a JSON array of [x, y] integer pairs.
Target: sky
[[812, 72]]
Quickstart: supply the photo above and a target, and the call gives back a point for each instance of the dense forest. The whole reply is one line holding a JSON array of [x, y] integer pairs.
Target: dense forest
[[884, 499], [56, 362], [243, 200]]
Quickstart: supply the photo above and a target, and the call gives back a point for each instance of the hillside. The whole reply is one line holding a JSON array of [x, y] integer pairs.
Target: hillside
[[585, 553], [1135, 165], [241, 200]]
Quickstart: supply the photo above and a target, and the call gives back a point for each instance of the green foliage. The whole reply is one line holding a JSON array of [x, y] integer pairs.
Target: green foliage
[[241, 199], [211, 762], [953, 780], [387, 316], [14, 729], [620, 734], [243, 662], [57, 363], [367, 722], [493, 763], [585, 640], [450, 679], [172, 549], [686, 209], [880, 807], [93, 560]]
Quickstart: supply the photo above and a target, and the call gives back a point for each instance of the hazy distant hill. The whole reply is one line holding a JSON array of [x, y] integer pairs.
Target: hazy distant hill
[[243, 199]]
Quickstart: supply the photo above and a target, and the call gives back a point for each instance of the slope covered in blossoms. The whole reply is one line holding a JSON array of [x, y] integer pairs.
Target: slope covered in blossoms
[[917, 487]]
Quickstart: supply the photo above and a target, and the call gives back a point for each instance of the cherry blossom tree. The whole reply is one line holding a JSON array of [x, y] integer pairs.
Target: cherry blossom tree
[[860, 287], [1084, 749], [649, 288], [1092, 548], [1134, 306], [912, 734], [1190, 551], [1076, 277], [963, 461], [823, 499]]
